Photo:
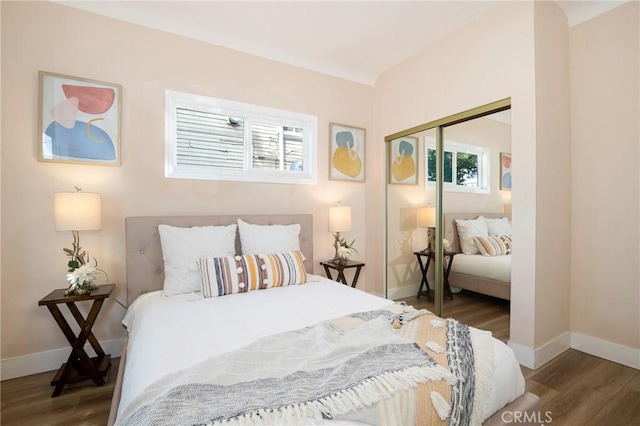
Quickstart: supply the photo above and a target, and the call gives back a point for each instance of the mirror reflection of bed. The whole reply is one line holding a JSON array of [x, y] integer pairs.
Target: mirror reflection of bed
[[480, 283]]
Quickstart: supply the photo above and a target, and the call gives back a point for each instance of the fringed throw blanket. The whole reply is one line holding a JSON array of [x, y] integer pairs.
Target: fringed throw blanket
[[375, 367]]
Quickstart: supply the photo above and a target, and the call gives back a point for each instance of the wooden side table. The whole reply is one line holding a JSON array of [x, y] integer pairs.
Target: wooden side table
[[340, 267], [424, 268], [79, 366]]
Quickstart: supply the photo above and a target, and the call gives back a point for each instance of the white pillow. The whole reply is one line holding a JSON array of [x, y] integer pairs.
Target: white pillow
[[467, 229], [263, 239], [182, 247], [500, 226]]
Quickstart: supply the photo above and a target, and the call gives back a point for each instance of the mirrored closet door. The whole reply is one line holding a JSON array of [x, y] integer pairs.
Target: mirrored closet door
[[440, 172]]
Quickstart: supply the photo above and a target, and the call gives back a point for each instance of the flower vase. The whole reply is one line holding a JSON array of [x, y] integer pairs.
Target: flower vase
[[83, 288]]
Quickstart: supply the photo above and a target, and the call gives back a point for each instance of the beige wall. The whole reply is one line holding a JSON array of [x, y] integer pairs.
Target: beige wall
[[50, 37], [507, 53], [491, 59], [553, 172], [605, 211]]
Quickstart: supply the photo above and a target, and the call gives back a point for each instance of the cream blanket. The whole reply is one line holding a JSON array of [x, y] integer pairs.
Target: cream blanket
[[356, 367]]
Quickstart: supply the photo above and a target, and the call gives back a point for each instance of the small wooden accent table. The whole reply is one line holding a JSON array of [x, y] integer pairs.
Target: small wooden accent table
[[79, 366], [340, 267], [429, 254]]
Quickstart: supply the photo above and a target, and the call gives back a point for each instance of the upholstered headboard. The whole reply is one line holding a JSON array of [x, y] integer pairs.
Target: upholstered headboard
[[451, 232], [145, 267]]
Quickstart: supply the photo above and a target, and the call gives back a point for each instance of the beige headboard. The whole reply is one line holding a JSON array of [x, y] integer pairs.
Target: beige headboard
[[145, 267], [451, 232]]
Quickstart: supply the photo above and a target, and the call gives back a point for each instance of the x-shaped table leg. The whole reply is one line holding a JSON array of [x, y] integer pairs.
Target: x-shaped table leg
[[77, 343]]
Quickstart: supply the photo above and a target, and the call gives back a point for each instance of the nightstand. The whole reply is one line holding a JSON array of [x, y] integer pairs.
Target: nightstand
[[79, 366], [429, 254], [340, 267]]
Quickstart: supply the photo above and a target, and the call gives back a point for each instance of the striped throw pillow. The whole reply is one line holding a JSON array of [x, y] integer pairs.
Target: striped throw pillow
[[494, 246], [240, 274]]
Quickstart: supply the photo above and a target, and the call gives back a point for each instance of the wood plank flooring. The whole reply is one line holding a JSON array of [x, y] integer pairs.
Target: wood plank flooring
[[576, 388]]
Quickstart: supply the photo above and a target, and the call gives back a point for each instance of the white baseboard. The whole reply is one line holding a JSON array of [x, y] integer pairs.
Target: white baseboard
[[535, 358], [525, 355], [615, 352], [552, 349], [402, 292], [41, 362]]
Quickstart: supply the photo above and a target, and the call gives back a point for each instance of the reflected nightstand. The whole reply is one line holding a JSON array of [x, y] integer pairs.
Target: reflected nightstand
[[424, 268]]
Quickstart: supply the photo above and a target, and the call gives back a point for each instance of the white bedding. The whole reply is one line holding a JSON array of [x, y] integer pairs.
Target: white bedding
[[167, 334], [492, 267]]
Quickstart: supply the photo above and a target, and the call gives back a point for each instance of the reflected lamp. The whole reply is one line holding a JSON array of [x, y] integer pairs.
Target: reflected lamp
[[427, 219]]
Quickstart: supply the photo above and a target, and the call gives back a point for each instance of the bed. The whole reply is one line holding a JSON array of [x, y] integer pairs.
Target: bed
[[187, 333], [490, 275]]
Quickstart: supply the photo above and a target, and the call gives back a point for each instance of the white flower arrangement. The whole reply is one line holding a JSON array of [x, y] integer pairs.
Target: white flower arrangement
[[445, 243], [81, 277], [344, 252], [343, 249]]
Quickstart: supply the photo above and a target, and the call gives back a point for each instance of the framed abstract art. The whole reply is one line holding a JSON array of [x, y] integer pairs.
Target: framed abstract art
[[347, 150], [505, 171], [403, 161], [78, 120]]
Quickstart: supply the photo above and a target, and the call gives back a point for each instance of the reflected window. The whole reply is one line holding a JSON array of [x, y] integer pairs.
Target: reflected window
[[466, 167]]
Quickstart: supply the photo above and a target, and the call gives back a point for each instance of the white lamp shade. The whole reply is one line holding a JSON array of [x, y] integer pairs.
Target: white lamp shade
[[427, 217], [78, 211], [339, 219]]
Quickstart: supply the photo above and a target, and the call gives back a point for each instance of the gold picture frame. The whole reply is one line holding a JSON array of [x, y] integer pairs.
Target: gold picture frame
[[505, 171], [78, 120], [347, 152]]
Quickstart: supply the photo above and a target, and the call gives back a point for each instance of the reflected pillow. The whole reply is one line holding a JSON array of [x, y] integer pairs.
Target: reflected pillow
[[494, 245], [467, 230], [500, 226], [182, 247], [240, 274]]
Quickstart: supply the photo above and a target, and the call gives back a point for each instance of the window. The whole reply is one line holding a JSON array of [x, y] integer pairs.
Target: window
[[208, 138], [466, 167]]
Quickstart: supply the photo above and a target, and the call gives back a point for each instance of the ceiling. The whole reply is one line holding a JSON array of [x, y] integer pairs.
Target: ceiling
[[355, 40]]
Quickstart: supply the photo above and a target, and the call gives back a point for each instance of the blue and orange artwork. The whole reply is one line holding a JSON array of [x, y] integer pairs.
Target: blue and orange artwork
[[345, 158], [403, 167], [79, 121], [347, 153], [505, 173]]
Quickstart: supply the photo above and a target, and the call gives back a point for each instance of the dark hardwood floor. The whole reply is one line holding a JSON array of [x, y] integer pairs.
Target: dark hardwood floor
[[576, 388]]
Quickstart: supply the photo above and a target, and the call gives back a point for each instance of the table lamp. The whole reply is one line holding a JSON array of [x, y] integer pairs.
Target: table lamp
[[339, 221], [75, 212], [427, 219]]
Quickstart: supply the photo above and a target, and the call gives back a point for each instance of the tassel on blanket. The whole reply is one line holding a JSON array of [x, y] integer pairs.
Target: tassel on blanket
[[433, 346], [436, 323], [440, 405]]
